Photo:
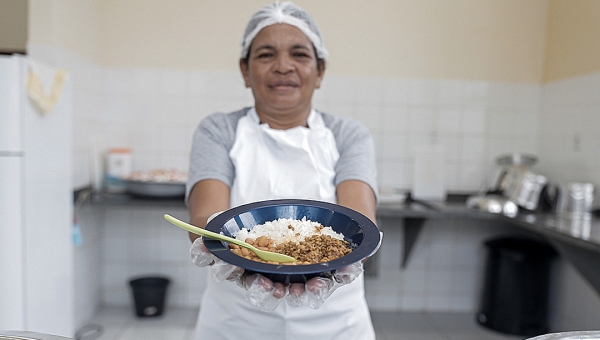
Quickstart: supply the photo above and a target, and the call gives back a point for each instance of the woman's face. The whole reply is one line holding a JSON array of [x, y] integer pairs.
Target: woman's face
[[282, 72]]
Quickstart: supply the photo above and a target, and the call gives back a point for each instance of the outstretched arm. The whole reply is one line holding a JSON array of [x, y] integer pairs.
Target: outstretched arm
[[206, 198]]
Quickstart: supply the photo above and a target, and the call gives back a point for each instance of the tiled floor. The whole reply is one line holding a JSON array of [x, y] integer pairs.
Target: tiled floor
[[119, 323]]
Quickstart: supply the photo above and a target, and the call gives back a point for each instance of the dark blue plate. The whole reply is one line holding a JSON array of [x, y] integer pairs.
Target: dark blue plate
[[358, 230]]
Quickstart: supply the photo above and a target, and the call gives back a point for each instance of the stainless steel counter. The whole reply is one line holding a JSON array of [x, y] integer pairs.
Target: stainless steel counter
[[577, 240], [125, 200], [579, 232]]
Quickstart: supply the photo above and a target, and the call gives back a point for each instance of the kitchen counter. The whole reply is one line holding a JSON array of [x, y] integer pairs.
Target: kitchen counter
[[577, 240], [106, 199], [579, 232]]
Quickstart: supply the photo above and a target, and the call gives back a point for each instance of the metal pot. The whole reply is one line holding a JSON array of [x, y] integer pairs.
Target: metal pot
[[575, 200], [494, 204], [504, 164], [524, 187], [515, 180]]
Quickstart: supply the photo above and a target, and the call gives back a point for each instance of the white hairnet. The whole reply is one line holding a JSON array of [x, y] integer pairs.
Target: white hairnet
[[286, 13]]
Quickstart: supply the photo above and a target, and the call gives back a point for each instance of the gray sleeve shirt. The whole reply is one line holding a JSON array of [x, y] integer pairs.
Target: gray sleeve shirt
[[215, 135]]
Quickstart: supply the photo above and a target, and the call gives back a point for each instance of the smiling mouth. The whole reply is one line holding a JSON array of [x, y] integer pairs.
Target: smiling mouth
[[283, 86]]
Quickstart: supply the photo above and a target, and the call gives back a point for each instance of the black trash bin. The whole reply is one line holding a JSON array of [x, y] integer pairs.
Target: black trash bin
[[149, 295], [516, 286]]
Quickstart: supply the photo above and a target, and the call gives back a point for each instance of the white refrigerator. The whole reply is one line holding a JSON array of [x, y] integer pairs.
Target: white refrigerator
[[36, 198]]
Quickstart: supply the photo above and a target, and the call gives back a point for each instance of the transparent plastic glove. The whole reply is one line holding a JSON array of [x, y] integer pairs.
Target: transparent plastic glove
[[348, 274], [318, 289], [295, 296], [200, 254], [261, 291], [220, 270]]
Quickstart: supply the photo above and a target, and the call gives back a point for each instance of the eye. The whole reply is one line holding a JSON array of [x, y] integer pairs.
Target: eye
[[264, 55], [300, 55]]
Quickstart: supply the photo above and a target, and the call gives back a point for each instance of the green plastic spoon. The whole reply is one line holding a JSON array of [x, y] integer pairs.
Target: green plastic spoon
[[263, 254]]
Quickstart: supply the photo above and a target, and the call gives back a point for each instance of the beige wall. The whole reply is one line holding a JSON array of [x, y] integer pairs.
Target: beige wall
[[71, 24], [530, 41], [495, 40], [573, 47], [500, 40]]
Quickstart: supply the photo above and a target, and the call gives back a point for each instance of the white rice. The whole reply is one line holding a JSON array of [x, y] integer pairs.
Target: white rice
[[279, 232]]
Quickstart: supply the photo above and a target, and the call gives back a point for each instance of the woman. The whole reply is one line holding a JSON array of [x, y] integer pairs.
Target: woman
[[281, 148]]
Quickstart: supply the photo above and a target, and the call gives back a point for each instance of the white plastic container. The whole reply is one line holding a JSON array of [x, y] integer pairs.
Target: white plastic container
[[119, 163], [118, 167]]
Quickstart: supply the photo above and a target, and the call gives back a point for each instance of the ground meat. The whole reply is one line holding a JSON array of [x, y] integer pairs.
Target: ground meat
[[313, 249]]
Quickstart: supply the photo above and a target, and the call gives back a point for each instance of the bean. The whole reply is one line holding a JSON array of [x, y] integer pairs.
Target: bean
[[314, 249], [263, 241]]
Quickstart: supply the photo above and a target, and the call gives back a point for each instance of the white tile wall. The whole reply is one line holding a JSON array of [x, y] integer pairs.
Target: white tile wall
[[570, 119], [154, 112], [443, 272], [138, 242]]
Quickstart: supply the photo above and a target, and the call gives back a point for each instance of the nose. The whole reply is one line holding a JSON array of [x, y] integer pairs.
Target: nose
[[284, 64]]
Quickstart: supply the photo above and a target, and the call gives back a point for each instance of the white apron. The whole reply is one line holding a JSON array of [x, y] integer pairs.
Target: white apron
[[268, 163]]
